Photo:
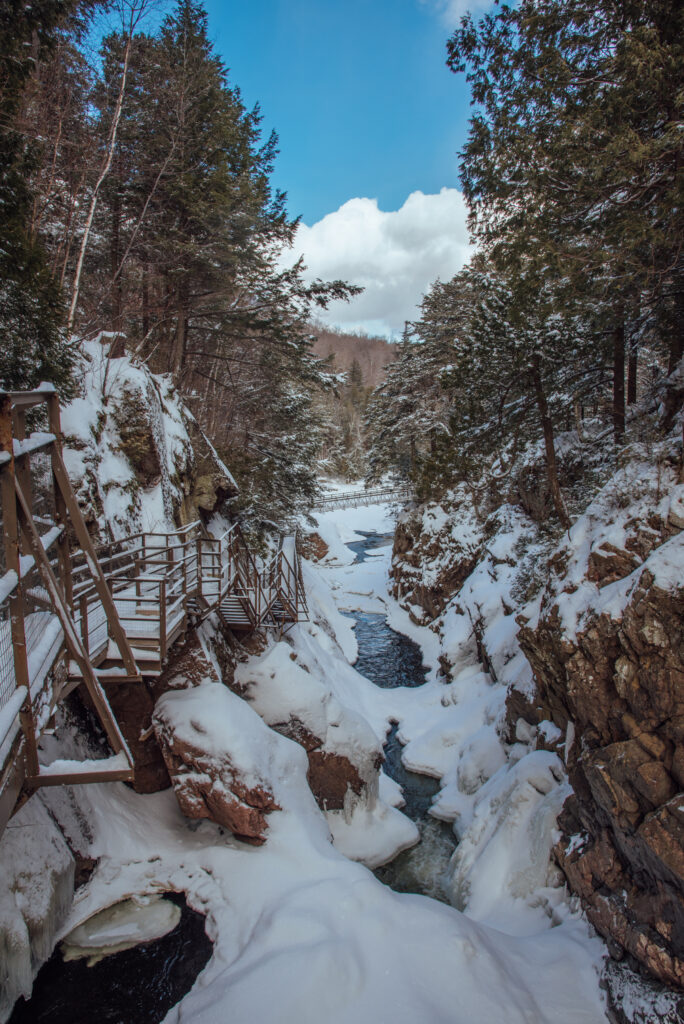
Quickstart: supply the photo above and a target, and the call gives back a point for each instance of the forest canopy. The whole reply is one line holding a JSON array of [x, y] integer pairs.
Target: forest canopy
[[573, 176]]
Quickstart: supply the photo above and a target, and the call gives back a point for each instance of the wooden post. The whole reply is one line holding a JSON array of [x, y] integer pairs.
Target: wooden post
[[63, 550], [184, 582], [162, 620], [84, 624], [22, 465], [10, 527], [136, 574], [71, 637]]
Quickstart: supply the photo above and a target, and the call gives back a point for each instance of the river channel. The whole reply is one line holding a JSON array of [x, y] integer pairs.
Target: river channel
[[390, 659]]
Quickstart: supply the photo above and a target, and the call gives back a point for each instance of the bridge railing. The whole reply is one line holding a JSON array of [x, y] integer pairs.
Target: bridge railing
[[356, 499], [39, 510]]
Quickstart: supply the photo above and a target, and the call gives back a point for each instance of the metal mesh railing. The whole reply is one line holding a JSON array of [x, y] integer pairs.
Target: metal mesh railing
[[357, 499], [8, 683]]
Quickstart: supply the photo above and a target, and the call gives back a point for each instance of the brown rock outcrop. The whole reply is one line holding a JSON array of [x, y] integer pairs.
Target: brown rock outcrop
[[450, 565], [207, 485], [619, 684], [208, 785], [188, 665], [330, 773], [313, 547]]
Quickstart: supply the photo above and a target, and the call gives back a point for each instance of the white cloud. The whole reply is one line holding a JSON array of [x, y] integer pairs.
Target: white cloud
[[451, 11], [394, 255]]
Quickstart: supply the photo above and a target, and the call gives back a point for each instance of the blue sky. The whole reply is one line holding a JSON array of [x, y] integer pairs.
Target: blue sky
[[357, 90], [370, 121]]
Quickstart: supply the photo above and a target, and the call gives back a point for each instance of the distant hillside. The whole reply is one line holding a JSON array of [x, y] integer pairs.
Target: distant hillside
[[372, 354]]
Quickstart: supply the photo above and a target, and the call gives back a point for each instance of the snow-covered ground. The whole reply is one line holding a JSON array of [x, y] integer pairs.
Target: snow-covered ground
[[301, 932]]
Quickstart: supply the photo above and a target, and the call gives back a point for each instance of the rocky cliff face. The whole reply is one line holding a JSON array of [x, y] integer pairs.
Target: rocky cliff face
[[588, 633], [435, 550], [136, 456], [607, 652]]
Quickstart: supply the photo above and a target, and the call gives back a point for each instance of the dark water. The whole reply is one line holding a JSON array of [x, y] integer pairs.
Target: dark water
[[424, 868], [136, 986], [361, 548], [391, 659], [386, 657]]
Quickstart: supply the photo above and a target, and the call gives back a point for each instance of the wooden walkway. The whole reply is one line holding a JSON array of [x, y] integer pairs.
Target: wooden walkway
[[74, 614], [357, 499]]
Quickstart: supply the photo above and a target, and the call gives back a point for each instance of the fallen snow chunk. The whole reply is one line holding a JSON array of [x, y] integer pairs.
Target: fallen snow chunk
[[373, 837]]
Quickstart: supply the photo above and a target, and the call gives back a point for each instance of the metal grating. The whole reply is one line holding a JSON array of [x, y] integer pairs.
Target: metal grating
[[8, 682]]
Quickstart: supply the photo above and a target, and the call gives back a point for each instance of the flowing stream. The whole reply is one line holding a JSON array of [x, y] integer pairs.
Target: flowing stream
[[391, 659]]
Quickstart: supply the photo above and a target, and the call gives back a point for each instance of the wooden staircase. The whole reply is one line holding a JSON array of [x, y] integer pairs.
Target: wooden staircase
[[102, 616]]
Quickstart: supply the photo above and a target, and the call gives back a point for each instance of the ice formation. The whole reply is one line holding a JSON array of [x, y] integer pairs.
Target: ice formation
[[121, 926]]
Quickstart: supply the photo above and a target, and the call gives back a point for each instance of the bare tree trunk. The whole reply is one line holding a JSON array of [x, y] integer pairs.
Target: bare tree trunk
[[141, 218], [135, 11], [549, 447], [115, 286], [104, 171], [677, 338], [619, 380], [179, 340], [145, 299], [632, 367], [579, 426]]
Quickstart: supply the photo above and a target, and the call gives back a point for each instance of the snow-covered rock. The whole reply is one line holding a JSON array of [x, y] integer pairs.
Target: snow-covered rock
[[135, 455], [344, 753], [218, 770]]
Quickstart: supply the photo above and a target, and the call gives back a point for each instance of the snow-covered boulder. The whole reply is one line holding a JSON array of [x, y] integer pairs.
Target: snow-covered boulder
[[344, 753], [218, 767]]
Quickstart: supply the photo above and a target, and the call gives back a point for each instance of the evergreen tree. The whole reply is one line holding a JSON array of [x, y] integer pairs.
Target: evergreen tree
[[31, 304], [574, 155]]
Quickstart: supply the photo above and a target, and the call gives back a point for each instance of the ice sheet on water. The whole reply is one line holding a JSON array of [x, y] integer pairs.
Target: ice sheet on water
[[122, 926]]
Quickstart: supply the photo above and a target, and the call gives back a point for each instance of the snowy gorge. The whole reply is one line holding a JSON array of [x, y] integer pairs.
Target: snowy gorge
[[279, 743], [298, 925]]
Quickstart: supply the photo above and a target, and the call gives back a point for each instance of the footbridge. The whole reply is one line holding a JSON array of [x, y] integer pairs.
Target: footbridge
[[358, 498], [73, 613]]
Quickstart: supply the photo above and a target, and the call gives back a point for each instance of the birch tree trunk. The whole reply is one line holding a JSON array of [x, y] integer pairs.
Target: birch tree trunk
[[134, 11]]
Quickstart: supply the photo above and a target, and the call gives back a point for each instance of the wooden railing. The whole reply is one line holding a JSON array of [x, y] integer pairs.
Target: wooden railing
[[37, 603]]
